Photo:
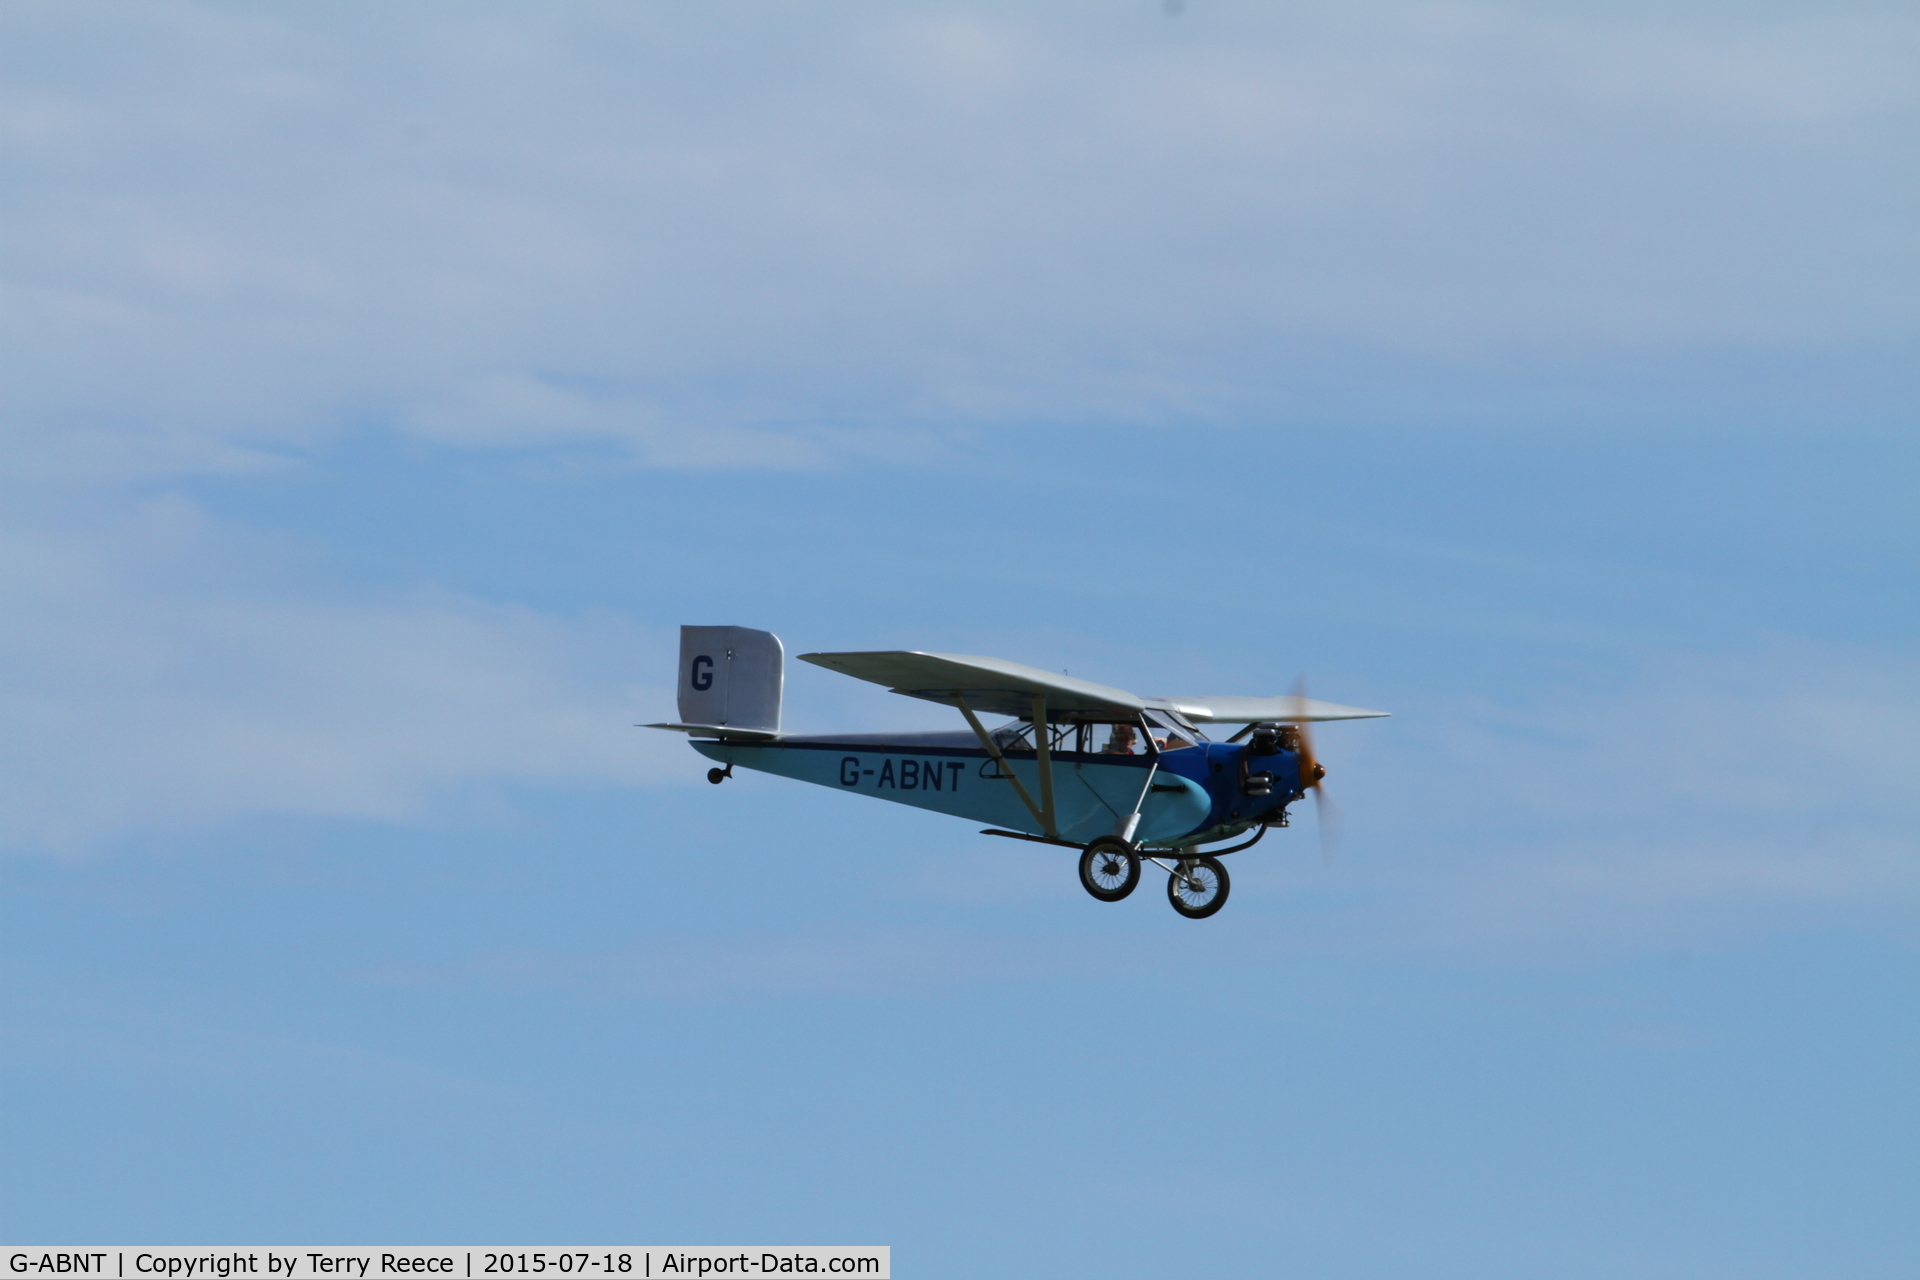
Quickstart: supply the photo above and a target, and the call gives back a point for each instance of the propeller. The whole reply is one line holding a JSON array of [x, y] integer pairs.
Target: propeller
[[1327, 816]]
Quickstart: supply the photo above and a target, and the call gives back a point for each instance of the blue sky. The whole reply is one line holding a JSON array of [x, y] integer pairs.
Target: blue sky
[[383, 388]]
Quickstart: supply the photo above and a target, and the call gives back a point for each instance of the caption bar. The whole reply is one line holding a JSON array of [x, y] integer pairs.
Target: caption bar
[[622, 1262]]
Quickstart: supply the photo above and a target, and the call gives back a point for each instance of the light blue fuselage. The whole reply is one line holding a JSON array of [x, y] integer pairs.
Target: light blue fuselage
[[1193, 794]]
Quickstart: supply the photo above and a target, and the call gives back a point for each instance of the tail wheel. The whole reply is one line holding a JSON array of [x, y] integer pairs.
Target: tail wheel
[[1198, 887], [1109, 868]]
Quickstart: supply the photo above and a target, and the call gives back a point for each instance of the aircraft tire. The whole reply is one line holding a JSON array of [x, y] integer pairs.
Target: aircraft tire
[[1109, 869], [1206, 895]]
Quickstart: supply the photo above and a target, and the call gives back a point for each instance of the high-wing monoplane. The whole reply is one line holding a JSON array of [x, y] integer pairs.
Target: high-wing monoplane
[[1119, 777]]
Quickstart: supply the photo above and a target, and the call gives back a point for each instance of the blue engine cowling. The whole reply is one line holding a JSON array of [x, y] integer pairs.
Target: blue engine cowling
[[1247, 785]]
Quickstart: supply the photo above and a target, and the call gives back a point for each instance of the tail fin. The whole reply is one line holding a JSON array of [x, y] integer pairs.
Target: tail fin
[[731, 677]]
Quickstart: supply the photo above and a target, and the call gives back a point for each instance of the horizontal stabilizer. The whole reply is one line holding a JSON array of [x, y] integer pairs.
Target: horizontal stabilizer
[[718, 731], [1281, 710], [988, 684]]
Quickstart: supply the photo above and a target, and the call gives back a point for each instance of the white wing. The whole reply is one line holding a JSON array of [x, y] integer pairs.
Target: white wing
[[988, 684], [1283, 710], [1007, 688]]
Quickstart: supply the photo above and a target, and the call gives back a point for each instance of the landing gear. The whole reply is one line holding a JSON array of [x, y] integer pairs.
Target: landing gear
[[718, 776], [1109, 868], [1197, 888]]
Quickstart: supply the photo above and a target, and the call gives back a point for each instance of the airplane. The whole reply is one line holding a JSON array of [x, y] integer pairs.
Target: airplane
[[1119, 777]]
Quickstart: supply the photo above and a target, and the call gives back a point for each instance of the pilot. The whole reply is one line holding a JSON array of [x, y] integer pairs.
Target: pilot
[[1121, 743]]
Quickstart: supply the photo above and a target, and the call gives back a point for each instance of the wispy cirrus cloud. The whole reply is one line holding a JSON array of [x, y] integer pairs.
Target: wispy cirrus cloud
[[257, 228], [1701, 796], [155, 678], [239, 235]]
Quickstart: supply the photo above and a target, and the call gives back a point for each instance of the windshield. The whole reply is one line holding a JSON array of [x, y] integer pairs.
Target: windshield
[[1173, 730]]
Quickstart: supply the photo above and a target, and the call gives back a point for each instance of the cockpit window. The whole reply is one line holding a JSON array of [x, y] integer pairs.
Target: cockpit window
[[1172, 731]]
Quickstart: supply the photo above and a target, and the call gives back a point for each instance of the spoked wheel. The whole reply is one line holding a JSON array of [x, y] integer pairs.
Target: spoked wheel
[[1198, 887], [1109, 869]]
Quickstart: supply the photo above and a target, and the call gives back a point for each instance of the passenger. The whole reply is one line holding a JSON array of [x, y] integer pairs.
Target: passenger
[[1121, 743]]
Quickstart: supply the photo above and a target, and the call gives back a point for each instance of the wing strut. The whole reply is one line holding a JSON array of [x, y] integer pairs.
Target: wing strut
[[1043, 753], [1127, 825], [1043, 816]]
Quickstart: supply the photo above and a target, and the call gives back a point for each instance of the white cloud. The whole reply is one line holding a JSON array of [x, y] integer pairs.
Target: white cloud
[[1706, 795], [256, 227], [770, 241], [153, 678], [506, 410]]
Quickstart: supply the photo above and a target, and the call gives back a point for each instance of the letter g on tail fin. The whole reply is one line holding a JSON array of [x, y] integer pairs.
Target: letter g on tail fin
[[731, 676]]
